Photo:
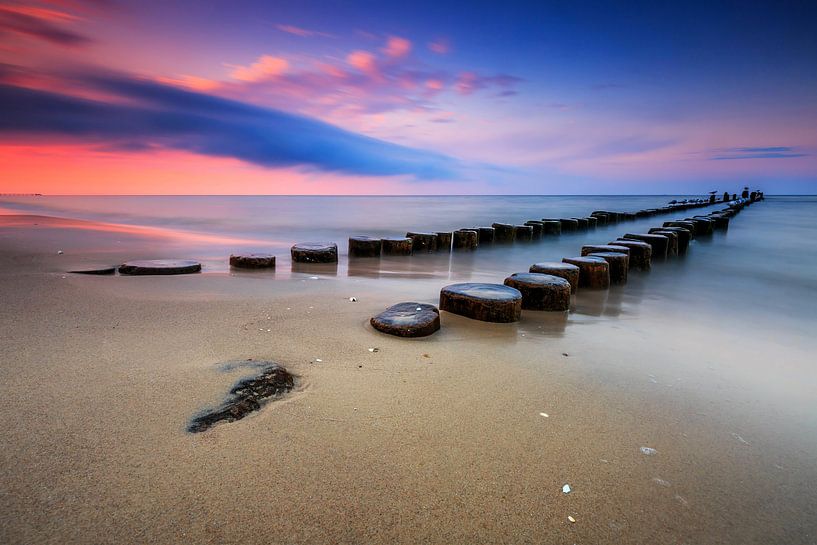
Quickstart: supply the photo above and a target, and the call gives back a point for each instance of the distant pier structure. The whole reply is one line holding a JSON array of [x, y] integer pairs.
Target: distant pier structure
[[21, 194]]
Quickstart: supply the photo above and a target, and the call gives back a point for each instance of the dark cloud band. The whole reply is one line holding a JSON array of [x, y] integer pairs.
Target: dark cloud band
[[145, 114]]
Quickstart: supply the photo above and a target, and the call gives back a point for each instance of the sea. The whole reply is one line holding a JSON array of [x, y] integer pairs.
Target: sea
[[764, 267]]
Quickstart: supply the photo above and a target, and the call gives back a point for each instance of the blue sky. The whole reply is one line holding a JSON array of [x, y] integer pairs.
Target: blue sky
[[421, 97]]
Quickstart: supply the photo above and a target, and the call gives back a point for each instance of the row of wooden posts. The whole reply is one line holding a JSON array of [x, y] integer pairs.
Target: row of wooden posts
[[467, 239], [471, 238], [548, 285]]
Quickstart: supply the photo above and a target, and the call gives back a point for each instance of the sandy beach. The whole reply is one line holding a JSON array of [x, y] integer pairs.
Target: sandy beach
[[436, 440]]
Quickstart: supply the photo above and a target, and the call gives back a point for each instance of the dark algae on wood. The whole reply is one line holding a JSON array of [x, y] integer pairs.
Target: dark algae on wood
[[246, 396], [363, 246], [314, 252], [252, 261]]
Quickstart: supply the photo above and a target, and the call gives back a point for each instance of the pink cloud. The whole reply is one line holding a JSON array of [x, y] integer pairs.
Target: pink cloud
[[363, 61], [192, 82], [353, 89], [331, 70], [441, 46], [467, 83], [302, 32], [40, 23], [434, 85], [265, 67], [40, 13], [397, 47], [444, 117]]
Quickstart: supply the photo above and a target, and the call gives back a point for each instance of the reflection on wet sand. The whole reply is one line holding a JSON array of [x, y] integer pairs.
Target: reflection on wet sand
[[425, 266], [546, 324], [318, 269], [367, 267], [590, 302], [456, 327], [268, 273], [615, 299]]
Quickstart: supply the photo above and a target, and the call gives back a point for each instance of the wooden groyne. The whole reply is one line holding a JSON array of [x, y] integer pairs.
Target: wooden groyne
[[541, 229], [671, 238], [547, 286]]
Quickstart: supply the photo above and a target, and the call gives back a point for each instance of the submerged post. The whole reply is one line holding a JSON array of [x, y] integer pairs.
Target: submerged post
[[363, 246]]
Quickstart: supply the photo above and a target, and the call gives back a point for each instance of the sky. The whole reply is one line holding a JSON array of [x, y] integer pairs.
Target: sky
[[373, 97]]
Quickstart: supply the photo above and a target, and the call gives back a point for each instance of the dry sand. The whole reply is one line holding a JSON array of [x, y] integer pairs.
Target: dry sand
[[436, 440]]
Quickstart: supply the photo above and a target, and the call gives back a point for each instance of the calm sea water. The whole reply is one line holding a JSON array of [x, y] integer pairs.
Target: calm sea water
[[764, 266], [279, 221]]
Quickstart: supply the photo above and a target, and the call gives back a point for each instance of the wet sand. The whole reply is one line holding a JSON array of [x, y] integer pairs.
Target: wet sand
[[436, 440]]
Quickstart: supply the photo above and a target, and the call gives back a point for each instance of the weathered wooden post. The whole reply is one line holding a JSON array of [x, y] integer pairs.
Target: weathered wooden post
[[362, 246], [396, 246], [594, 272], [252, 261], [486, 302], [640, 253], [503, 232], [422, 242], [465, 239], [619, 264], [562, 270], [444, 241], [541, 291], [314, 252]]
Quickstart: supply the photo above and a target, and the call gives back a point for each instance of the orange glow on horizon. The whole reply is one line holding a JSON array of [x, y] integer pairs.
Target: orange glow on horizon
[[77, 170]]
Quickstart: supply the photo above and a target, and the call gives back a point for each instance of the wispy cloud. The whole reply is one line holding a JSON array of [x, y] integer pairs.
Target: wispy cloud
[[626, 146], [143, 115], [40, 23], [768, 152], [606, 86], [364, 82], [266, 66], [440, 46], [302, 32], [470, 82]]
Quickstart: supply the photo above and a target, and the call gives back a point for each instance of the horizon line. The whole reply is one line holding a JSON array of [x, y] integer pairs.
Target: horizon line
[[386, 195]]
